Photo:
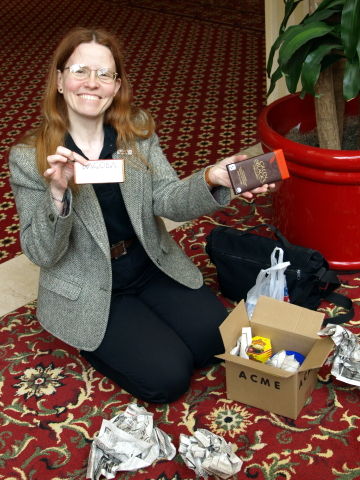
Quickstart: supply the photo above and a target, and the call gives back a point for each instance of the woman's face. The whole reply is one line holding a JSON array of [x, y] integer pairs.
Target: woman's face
[[89, 97]]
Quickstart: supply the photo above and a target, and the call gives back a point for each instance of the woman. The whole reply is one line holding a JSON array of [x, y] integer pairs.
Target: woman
[[112, 281]]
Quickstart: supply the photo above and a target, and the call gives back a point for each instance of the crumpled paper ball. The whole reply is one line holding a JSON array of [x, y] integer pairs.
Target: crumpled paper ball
[[346, 357], [209, 454], [129, 441]]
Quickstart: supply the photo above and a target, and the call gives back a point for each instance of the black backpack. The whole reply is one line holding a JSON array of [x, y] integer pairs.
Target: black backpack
[[240, 255]]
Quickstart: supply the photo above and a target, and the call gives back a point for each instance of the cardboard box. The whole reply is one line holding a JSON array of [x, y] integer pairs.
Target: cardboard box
[[289, 327]]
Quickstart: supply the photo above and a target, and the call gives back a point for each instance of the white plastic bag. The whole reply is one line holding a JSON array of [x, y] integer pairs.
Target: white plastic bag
[[270, 282]]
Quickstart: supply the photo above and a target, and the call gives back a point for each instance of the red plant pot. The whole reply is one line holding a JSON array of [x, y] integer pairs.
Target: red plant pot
[[319, 205]]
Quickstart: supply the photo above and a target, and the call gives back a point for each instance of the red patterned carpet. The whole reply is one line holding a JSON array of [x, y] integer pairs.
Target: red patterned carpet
[[198, 65], [53, 402]]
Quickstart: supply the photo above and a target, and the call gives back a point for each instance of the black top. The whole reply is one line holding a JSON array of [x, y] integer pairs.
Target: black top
[[129, 272], [117, 220]]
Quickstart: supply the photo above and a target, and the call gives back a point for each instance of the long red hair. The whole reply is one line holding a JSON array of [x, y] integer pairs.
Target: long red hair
[[129, 121]]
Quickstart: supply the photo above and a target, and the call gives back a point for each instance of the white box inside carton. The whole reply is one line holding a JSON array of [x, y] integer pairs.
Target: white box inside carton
[[289, 327]]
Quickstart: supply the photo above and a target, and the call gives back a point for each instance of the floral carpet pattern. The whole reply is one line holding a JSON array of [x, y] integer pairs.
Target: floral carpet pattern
[[53, 401]]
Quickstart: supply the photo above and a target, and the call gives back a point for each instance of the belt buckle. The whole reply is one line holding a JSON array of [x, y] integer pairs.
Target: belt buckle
[[124, 251]]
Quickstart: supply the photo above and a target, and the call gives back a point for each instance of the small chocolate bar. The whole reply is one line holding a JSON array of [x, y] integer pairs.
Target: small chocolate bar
[[256, 171], [99, 171]]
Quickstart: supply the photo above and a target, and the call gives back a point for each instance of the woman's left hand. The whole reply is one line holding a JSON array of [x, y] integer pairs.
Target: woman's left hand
[[218, 175]]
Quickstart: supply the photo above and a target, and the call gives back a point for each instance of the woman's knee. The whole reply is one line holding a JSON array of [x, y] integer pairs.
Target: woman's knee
[[166, 385]]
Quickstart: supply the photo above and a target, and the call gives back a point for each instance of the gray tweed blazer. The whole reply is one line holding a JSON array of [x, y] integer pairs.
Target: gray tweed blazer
[[73, 251]]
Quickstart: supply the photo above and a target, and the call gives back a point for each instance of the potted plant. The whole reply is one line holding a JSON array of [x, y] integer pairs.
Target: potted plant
[[319, 206]]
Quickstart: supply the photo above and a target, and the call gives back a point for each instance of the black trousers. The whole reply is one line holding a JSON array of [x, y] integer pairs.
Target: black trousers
[[158, 332]]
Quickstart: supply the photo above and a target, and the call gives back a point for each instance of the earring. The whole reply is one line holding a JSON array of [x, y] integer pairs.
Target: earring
[[60, 90]]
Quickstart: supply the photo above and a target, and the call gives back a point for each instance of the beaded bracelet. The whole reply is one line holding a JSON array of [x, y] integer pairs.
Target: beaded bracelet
[[58, 199]]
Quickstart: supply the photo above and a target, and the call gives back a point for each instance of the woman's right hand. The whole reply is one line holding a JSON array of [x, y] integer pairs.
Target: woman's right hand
[[61, 169]]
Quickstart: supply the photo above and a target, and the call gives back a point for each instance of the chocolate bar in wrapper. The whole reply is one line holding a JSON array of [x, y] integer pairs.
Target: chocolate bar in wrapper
[[256, 171], [99, 171]]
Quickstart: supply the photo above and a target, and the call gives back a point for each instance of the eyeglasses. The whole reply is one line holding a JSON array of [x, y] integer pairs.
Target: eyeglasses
[[83, 72]]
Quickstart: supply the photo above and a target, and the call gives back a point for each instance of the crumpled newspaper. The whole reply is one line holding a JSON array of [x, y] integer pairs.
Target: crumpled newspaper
[[129, 441], [209, 454], [346, 357]]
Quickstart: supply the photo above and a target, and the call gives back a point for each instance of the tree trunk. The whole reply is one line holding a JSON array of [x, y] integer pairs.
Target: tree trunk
[[329, 118], [326, 114], [338, 78]]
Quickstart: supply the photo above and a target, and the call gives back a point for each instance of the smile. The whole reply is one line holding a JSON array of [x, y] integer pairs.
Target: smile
[[89, 97]]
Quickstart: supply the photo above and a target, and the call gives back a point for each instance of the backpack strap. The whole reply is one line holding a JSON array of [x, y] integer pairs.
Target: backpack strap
[[273, 229], [328, 279], [329, 282], [341, 301]]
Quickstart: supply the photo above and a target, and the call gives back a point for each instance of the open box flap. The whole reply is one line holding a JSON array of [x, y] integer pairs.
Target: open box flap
[[318, 354], [261, 367], [287, 317], [231, 327]]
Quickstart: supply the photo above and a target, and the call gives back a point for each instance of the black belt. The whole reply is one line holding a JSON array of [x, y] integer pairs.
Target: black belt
[[120, 248]]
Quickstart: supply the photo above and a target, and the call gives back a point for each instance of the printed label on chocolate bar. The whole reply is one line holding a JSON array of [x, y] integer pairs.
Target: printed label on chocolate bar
[[260, 170]]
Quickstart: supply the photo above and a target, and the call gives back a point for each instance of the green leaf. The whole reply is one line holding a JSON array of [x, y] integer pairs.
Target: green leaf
[[350, 27], [351, 85], [292, 78], [281, 38], [301, 34], [293, 69], [289, 7], [274, 78], [330, 4], [318, 16], [312, 66]]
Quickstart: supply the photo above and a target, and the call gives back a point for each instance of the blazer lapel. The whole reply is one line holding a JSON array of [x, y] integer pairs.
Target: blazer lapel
[[133, 194], [87, 207], [132, 189]]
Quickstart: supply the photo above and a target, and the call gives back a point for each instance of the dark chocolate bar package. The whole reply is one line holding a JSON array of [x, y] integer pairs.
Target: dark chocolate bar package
[[256, 171]]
